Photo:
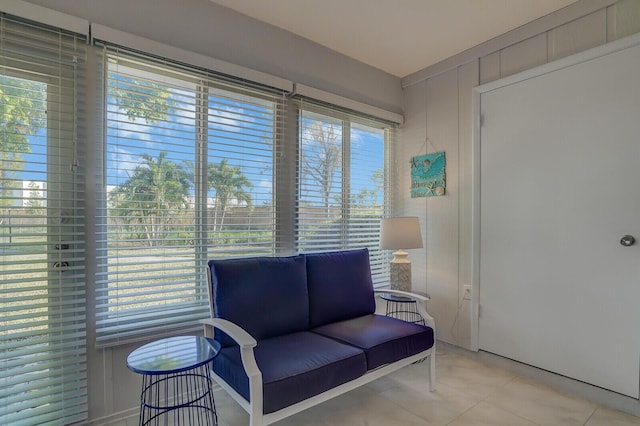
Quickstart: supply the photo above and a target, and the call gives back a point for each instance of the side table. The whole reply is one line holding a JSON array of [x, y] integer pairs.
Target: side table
[[403, 308], [175, 380]]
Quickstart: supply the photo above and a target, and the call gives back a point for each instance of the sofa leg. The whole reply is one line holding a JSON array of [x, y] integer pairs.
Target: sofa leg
[[255, 420], [432, 371]]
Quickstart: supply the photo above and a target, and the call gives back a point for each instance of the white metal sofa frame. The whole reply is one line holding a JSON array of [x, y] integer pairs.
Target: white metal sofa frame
[[247, 343]]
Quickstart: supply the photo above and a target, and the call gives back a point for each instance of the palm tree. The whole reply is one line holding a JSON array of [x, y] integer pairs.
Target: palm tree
[[152, 197], [229, 183]]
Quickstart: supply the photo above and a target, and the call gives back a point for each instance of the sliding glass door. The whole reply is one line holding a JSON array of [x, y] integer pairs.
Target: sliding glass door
[[42, 279]]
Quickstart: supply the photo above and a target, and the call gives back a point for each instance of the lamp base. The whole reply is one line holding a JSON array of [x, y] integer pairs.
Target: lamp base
[[401, 276]]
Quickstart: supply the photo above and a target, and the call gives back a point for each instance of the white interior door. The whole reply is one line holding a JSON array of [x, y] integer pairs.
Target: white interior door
[[559, 187]]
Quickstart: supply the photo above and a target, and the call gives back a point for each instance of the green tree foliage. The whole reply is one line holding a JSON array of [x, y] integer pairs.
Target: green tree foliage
[[34, 203], [158, 188], [22, 114], [229, 183], [141, 99], [152, 197], [368, 197]]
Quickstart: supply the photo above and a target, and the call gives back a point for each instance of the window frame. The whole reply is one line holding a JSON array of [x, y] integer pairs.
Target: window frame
[[349, 119], [285, 181], [209, 91]]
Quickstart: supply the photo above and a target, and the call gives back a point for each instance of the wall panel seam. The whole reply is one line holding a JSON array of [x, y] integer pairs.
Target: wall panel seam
[[515, 36]]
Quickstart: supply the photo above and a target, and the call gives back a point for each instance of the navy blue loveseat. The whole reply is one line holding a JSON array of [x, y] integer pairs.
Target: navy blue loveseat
[[296, 331]]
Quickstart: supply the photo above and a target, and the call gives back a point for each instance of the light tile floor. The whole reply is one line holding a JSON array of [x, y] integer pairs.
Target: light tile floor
[[468, 393]]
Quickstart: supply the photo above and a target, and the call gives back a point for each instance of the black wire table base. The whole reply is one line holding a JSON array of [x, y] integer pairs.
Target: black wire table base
[[183, 398], [405, 310]]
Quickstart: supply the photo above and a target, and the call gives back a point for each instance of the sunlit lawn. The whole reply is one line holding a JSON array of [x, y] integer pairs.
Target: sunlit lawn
[[142, 274], [24, 302], [136, 277]]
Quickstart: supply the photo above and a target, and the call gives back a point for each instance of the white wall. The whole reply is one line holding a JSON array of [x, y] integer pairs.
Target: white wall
[[438, 105]]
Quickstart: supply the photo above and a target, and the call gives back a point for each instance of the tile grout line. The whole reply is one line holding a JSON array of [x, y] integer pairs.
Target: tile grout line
[[464, 412], [484, 399], [591, 416], [512, 379]]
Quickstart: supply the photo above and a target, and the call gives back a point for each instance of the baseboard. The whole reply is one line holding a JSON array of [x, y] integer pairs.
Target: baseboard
[[565, 384], [131, 415], [121, 418]]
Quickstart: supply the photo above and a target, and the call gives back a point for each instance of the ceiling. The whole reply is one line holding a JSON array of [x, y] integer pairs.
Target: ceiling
[[397, 36]]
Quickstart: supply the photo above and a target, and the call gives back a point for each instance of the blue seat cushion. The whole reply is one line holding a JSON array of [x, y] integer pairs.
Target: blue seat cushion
[[266, 296], [294, 367], [383, 339], [340, 286]]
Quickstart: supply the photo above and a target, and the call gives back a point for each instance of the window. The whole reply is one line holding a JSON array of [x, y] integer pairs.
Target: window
[[42, 277], [344, 183], [195, 166], [188, 175]]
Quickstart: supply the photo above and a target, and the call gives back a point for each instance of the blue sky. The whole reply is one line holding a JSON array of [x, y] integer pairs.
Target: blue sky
[[239, 129]]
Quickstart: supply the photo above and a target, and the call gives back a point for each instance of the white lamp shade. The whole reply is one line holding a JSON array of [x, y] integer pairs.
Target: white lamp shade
[[399, 233]]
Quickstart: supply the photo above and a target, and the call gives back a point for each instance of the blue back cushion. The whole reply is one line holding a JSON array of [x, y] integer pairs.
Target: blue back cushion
[[266, 296], [340, 286]]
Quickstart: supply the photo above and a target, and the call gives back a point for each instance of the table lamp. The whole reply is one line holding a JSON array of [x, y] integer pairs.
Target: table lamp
[[400, 233]]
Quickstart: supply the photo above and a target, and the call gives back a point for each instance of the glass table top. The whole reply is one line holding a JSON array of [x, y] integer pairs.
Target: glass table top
[[172, 355], [396, 298]]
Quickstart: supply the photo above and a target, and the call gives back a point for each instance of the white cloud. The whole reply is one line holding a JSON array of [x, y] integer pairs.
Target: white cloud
[[125, 163], [266, 184], [225, 118], [179, 123], [133, 130]]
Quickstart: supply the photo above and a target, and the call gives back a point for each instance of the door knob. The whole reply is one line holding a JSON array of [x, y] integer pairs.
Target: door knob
[[627, 240]]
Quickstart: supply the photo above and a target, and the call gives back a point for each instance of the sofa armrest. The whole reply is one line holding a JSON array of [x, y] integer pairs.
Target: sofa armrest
[[237, 333], [241, 337], [246, 343], [421, 304]]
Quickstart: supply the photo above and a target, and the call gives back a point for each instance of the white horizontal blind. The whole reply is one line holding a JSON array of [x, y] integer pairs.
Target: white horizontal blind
[[369, 198], [243, 131], [42, 278], [188, 175], [344, 182], [321, 205]]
